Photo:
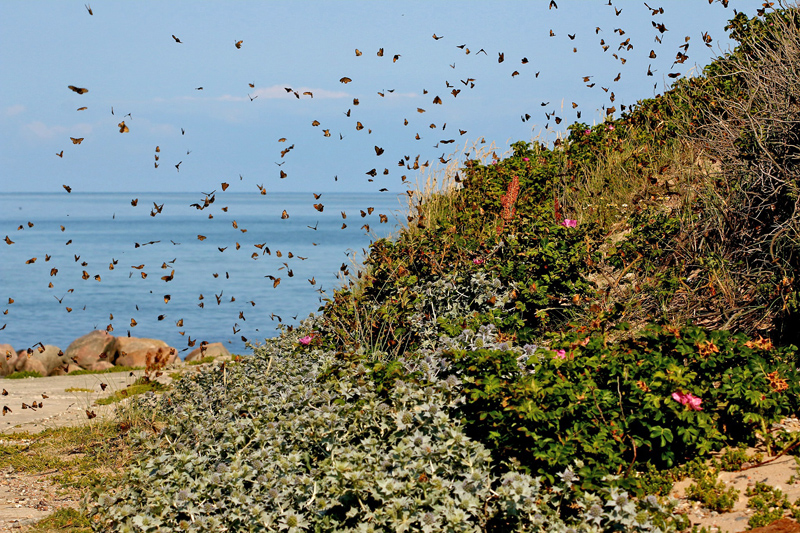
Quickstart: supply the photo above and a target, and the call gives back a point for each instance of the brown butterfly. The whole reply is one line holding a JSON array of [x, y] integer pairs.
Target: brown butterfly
[[79, 90], [380, 52], [92, 414], [123, 128], [284, 215], [88, 8], [345, 80], [378, 150], [6, 410], [60, 154], [76, 141], [238, 44], [358, 52], [82, 108], [5, 392], [319, 207]]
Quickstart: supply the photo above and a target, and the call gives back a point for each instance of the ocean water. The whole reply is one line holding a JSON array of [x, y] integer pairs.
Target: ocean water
[[181, 275]]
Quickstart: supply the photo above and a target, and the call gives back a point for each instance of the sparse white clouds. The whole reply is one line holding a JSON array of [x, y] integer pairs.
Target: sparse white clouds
[[14, 110], [42, 131]]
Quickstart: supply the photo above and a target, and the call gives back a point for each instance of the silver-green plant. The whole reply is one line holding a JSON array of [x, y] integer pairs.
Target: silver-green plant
[[292, 440]]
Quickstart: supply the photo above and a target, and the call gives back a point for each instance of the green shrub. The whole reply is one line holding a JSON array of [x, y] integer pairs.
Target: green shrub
[[713, 494], [611, 405], [289, 441]]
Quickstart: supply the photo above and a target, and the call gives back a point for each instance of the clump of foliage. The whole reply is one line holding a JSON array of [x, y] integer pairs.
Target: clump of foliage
[[621, 406], [712, 493], [734, 459], [769, 504], [296, 441], [22, 374]]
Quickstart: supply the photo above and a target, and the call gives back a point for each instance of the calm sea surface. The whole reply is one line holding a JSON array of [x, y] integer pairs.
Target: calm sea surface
[[218, 292]]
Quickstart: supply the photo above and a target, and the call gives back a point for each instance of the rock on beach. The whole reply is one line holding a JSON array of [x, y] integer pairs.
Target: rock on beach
[[215, 349], [8, 358], [44, 362], [133, 351], [90, 349]]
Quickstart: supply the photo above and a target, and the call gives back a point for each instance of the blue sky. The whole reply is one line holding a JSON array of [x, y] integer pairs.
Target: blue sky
[[126, 57]]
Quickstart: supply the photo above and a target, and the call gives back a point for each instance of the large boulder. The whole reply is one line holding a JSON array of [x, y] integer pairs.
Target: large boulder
[[215, 349], [44, 361], [98, 366], [66, 368], [90, 349], [133, 351], [8, 358]]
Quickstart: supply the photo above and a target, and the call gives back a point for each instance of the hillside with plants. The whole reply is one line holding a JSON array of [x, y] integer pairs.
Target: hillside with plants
[[555, 334]]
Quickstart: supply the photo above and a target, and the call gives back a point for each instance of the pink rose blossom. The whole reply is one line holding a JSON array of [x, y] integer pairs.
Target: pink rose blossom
[[478, 261], [561, 354], [305, 341], [687, 398], [611, 127], [525, 159], [569, 223], [587, 132]]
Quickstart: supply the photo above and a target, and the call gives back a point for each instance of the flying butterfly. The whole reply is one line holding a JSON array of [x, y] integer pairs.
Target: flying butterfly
[[238, 44], [79, 140], [123, 128], [79, 90]]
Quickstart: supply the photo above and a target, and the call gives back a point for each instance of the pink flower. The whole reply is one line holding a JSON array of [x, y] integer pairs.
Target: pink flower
[[305, 341], [689, 399], [561, 354], [611, 127], [478, 261], [587, 132], [525, 159], [569, 223]]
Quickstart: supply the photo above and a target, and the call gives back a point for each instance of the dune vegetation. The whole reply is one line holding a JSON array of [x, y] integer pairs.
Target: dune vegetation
[[556, 335]]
